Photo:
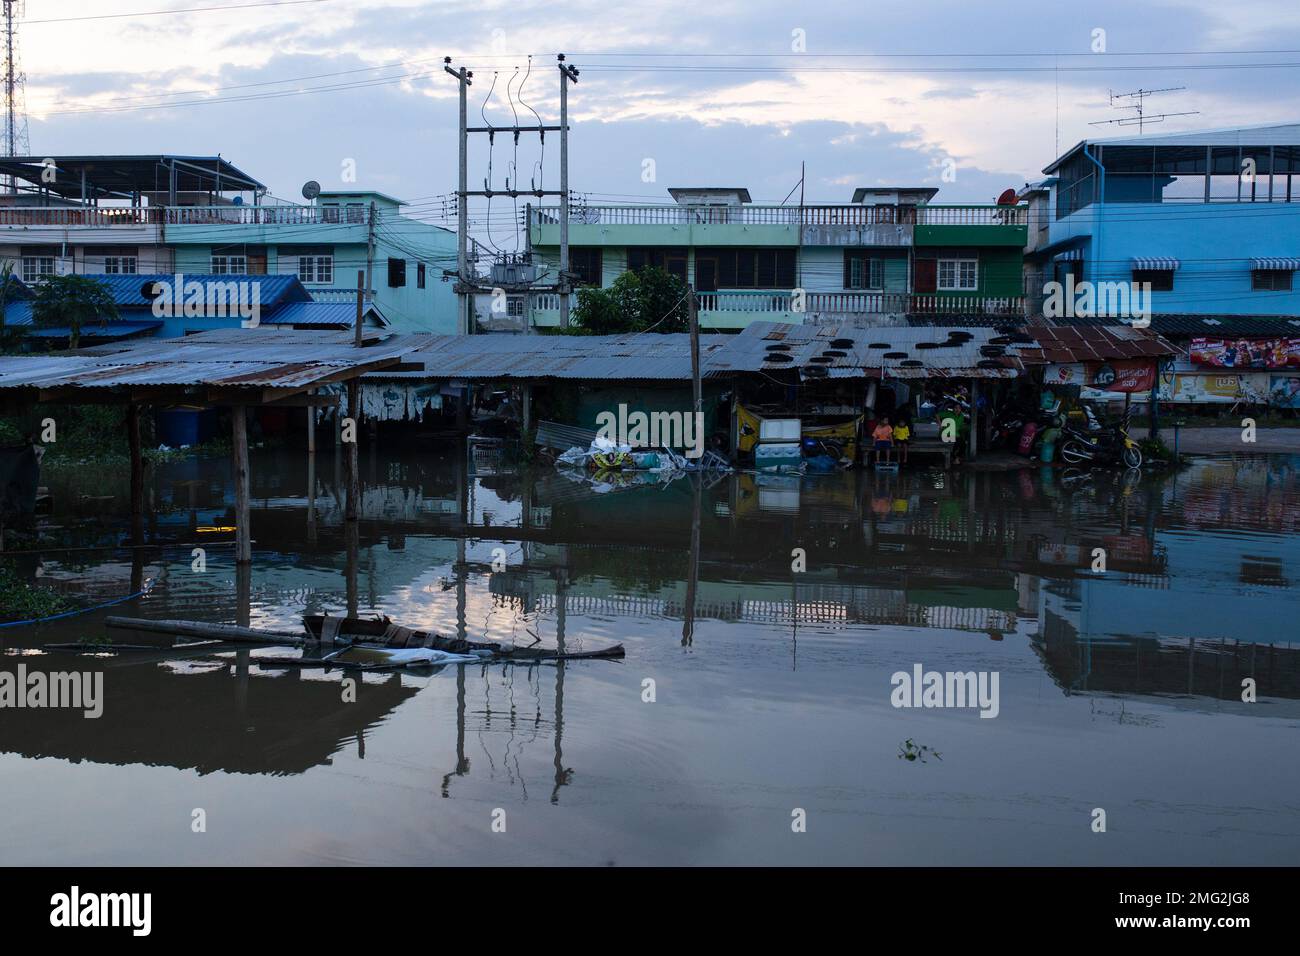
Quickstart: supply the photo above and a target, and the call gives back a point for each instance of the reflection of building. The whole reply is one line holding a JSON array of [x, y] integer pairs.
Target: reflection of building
[[208, 717]]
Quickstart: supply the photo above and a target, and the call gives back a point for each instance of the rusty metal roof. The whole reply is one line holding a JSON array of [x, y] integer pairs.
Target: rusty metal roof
[[645, 356], [225, 358], [1094, 343]]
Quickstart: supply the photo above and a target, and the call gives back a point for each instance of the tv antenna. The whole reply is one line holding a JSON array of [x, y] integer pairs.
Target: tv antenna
[[1136, 102]]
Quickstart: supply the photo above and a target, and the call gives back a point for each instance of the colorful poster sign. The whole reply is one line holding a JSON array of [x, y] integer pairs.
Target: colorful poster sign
[[1278, 352], [1284, 391], [1126, 375], [1212, 388]]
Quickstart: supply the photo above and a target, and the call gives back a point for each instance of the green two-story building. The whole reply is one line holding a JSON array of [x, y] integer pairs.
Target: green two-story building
[[887, 255]]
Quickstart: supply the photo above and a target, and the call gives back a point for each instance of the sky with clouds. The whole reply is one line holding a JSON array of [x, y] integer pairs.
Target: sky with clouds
[[880, 93]]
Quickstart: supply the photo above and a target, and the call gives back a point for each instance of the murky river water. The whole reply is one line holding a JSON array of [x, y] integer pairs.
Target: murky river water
[[1119, 691]]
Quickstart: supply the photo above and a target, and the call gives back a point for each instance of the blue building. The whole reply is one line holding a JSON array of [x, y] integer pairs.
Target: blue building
[[1210, 219], [215, 302], [166, 214]]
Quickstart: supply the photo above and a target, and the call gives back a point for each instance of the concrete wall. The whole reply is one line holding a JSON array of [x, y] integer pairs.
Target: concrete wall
[[1214, 243]]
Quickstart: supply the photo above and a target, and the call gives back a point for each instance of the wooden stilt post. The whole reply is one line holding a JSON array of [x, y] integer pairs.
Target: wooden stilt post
[[974, 419], [352, 467], [243, 533], [137, 473]]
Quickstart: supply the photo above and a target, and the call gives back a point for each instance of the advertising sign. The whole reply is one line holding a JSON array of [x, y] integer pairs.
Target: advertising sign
[[1278, 352]]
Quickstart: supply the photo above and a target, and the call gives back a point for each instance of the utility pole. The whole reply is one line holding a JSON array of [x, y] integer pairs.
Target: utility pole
[[696, 388], [466, 283], [370, 260], [567, 75], [462, 211]]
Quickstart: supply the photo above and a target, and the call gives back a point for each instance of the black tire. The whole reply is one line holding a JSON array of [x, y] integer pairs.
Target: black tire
[[1073, 452], [1132, 457]]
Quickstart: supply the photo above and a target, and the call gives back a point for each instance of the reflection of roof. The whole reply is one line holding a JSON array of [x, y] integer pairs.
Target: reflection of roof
[[195, 721]]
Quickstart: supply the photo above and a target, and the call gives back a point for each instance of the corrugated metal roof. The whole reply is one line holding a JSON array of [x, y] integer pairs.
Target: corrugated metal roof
[[648, 356], [318, 314], [94, 332], [129, 290], [848, 352], [228, 358]]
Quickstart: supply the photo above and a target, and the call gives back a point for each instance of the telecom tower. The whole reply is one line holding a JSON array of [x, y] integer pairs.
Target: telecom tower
[[15, 129]]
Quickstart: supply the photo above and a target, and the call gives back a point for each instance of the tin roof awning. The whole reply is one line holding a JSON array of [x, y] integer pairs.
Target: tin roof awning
[[1069, 255], [123, 176]]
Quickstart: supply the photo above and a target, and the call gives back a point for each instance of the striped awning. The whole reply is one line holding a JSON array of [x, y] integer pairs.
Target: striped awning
[[1284, 265], [1155, 264], [1070, 255]]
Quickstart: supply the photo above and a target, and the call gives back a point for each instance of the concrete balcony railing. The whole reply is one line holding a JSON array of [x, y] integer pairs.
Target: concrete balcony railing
[[95, 217], [267, 215], [849, 214], [731, 309]]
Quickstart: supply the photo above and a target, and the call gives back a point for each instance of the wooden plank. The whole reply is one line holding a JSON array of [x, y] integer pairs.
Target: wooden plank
[[220, 632]]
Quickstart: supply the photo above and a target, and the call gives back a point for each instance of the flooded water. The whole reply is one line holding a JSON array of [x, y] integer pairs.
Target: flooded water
[[750, 691]]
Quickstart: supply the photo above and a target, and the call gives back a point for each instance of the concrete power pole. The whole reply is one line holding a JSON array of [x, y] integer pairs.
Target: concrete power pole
[[466, 283], [567, 75]]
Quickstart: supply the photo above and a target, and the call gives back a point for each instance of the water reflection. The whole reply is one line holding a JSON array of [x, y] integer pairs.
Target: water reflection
[[971, 567]]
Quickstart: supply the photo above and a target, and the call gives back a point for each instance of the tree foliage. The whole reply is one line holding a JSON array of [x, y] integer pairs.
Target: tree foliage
[[635, 302], [72, 301]]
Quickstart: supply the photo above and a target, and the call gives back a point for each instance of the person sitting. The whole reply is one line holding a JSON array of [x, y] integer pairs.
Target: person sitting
[[902, 435], [883, 436]]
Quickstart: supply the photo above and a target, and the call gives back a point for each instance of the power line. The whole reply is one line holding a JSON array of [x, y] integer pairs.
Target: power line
[[163, 13]]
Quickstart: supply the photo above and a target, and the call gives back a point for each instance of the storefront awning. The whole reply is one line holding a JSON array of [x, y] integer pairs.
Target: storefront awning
[[1156, 264], [1069, 255], [1284, 265]]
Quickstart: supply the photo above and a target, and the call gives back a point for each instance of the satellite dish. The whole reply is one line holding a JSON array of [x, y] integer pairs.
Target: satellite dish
[[1008, 198], [310, 189]]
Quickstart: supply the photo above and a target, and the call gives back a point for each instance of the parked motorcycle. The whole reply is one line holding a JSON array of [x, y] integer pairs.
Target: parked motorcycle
[[1098, 443]]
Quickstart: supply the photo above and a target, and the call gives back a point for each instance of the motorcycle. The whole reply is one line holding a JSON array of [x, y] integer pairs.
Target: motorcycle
[[1099, 443]]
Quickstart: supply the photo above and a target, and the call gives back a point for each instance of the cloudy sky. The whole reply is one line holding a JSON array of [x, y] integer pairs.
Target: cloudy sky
[[728, 92]]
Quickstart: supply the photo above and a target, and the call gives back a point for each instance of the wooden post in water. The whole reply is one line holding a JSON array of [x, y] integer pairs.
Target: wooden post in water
[[693, 308], [351, 462], [137, 473], [361, 297], [243, 535]]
